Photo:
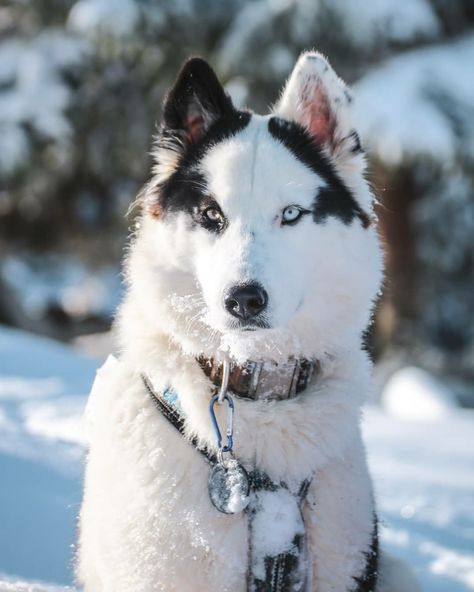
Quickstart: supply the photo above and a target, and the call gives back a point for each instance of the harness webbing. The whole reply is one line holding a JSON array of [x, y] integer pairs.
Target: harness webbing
[[175, 419], [271, 569], [287, 570]]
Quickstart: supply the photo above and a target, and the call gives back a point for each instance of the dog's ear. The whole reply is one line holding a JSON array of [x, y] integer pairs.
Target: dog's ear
[[196, 100], [316, 98], [194, 103]]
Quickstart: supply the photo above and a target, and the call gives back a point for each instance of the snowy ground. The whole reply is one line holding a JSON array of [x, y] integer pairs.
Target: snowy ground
[[423, 470]]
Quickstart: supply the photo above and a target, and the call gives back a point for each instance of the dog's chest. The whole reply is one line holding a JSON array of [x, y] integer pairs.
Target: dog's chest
[[159, 508], [171, 535]]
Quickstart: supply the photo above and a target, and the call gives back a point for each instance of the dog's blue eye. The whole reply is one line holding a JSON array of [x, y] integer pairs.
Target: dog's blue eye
[[291, 214]]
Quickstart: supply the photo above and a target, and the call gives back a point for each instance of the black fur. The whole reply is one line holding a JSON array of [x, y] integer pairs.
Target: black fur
[[333, 200], [197, 115], [186, 191], [367, 582], [198, 91]]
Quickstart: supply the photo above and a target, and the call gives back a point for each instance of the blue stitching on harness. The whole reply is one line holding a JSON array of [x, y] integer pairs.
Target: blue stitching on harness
[[171, 397]]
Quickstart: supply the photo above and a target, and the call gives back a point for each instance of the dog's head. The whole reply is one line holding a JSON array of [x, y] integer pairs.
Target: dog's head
[[259, 229]]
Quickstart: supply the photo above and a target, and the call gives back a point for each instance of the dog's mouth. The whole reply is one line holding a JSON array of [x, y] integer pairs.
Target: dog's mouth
[[253, 324], [237, 326]]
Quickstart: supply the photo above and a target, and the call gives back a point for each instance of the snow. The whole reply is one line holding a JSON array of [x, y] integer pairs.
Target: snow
[[413, 394], [361, 24], [279, 508], [424, 482], [119, 17], [419, 103], [41, 281], [34, 92], [423, 472], [15, 585], [43, 386], [365, 23]]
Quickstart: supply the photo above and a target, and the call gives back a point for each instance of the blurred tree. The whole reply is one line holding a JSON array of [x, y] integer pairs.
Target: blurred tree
[[81, 84]]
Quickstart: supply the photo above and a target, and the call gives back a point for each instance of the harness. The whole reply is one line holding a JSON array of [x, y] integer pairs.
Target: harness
[[278, 554]]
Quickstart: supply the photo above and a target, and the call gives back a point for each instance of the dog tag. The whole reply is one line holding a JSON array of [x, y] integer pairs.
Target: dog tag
[[229, 486]]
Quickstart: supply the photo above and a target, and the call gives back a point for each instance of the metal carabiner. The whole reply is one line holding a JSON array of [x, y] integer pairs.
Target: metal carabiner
[[230, 422], [225, 377]]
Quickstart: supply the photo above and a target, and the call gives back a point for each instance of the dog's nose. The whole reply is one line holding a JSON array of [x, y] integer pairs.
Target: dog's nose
[[246, 301]]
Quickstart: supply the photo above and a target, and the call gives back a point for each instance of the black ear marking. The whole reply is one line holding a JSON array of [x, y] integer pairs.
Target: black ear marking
[[336, 199], [196, 100]]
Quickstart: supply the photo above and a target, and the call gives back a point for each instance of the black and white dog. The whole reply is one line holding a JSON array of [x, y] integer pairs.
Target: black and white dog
[[255, 266]]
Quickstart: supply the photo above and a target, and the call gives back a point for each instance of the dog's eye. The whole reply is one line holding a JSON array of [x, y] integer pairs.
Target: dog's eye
[[213, 215], [213, 219], [291, 214]]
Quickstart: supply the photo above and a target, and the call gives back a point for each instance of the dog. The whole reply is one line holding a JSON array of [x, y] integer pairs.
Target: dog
[[251, 279]]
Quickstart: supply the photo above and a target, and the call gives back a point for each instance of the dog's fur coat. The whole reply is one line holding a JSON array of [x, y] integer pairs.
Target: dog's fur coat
[[216, 215]]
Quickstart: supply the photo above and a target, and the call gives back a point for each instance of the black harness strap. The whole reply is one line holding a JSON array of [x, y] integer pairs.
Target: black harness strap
[[286, 571], [175, 419]]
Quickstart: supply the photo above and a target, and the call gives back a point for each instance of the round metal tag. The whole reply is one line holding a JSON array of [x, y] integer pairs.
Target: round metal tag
[[229, 487]]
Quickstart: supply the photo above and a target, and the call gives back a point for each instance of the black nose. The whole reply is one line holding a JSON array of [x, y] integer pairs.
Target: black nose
[[246, 301]]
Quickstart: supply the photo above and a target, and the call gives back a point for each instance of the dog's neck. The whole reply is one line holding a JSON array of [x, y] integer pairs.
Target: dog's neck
[[263, 380]]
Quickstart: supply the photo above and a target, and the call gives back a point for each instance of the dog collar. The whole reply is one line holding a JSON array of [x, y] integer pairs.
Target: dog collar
[[264, 380]]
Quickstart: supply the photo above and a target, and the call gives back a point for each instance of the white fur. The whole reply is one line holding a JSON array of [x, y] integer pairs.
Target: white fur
[[146, 522]]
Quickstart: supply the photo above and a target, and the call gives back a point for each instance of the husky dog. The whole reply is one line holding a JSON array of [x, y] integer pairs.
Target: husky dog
[[257, 244]]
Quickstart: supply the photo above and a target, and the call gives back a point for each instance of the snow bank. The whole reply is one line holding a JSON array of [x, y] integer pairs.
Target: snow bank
[[43, 387], [413, 394], [15, 585], [424, 479], [422, 471]]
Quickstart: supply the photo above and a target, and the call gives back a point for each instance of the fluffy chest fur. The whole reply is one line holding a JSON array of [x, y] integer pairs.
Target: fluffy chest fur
[[170, 536]]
